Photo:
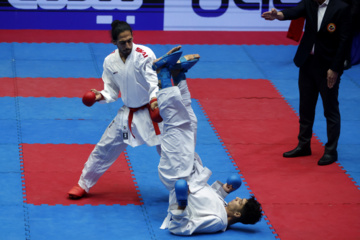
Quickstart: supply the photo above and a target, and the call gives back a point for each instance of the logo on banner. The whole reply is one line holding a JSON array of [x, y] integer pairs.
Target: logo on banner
[[78, 4], [223, 5]]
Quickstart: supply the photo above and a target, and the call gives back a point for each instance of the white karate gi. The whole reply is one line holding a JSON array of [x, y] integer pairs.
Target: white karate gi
[[138, 83], [205, 212]]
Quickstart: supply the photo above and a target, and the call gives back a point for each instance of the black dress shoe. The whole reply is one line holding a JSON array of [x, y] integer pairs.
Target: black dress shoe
[[298, 152], [327, 159]]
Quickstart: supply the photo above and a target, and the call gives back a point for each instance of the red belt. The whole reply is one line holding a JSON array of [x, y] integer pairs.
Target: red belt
[[131, 113]]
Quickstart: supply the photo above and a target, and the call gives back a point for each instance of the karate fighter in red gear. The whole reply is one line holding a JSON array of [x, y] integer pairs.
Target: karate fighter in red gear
[[128, 70]]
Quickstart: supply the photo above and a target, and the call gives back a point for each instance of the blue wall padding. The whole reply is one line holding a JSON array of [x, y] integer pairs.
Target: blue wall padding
[[12, 222], [9, 158], [88, 222]]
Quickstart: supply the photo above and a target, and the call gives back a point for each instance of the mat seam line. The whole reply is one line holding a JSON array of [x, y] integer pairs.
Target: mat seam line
[[354, 82], [19, 136], [273, 231], [254, 62], [143, 208], [94, 60]]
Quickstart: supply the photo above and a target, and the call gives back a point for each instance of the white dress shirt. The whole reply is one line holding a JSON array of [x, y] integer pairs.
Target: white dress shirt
[[321, 12]]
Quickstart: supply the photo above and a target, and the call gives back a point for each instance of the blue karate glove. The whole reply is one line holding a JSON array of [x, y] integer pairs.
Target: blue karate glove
[[181, 191], [235, 181]]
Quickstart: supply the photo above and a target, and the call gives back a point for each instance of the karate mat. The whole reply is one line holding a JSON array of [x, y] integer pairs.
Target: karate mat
[[50, 134]]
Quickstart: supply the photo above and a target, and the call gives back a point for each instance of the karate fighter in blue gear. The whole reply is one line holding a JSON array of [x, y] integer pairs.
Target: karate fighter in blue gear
[[194, 206]]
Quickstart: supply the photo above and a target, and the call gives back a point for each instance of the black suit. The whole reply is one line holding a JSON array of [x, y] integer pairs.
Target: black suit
[[330, 50]]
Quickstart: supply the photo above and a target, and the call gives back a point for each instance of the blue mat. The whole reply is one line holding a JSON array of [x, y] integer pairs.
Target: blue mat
[[6, 50], [87, 222], [65, 108], [64, 68], [86, 60], [10, 129], [62, 131], [9, 158], [12, 220], [66, 120], [6, 68], [11, 189], [8, 108]]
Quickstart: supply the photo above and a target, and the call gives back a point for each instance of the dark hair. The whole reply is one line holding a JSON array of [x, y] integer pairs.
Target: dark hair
[[251, 212], [118, 27]]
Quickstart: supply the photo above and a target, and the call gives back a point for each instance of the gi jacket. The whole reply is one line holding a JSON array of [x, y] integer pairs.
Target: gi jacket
[[137, 83]]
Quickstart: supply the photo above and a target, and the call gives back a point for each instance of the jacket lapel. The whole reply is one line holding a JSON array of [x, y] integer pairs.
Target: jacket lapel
[[313, 14], [328, 13]]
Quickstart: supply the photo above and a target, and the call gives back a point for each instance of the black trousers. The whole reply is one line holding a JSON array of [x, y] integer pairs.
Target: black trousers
[[312, 81]]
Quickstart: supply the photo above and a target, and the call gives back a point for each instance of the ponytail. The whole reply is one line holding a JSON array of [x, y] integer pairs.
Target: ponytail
[[118, 27]]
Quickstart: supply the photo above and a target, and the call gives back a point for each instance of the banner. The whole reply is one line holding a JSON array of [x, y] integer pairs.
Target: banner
[[223, 15], [179, 15], [81, 14]]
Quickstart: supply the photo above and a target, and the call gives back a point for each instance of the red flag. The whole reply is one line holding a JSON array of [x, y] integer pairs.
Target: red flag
[[296, 29]]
